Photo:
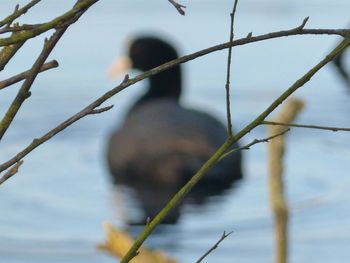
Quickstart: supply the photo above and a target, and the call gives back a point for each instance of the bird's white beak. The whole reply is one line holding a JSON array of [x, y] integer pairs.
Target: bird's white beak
[[119, 67]]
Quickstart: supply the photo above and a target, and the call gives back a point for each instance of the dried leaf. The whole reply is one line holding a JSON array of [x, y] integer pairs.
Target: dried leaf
[[118, 243]]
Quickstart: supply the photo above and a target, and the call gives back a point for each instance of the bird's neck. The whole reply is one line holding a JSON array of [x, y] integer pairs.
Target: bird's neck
[[166, 84]]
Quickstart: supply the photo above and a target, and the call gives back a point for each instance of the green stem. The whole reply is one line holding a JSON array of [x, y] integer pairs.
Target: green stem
[[179, 196], [55, 23]]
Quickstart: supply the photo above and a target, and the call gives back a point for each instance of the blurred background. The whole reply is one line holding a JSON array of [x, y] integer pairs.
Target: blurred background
[[53, 209]]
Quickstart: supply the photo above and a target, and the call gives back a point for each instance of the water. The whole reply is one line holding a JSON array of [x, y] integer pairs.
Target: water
[[52, 211]]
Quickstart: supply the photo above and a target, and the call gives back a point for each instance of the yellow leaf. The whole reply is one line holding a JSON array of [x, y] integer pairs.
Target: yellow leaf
[[118, 243]]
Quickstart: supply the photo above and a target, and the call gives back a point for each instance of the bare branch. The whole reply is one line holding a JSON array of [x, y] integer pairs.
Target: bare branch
[[178, 7], [7, 53], [130, 81], [17, 78], [215, 246], [61, 21], [256, 141], [303, 23], [18, 12], [227, 86], [17, 28], [101, 110], [13, 170], [91, 109], [334, 129], [22, 94], [178, 197]]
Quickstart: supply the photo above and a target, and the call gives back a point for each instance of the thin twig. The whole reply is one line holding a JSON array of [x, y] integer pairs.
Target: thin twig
[[335, 129], [37, 142], [101, 110], [18, 12], [215, 246], [8, 52], [178, 7], [60, 21], [13, 170], [17, 78], [22, 94], [227, 86], [91, 109], [224, 147], [16, 28], [255, 141], [303, 24], [130, 81], [213, 159]]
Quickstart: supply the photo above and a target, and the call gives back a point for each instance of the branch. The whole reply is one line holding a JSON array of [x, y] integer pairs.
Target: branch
[[303, 24], [299, 83], [227, 86], [18, 12], [100, 110], [223, 148], [11, 172], [224, 235], [91, 109], [7, 53], [23, 93], [60, 21], [17, 78], [128, 82], [178, 197], [17, 28], [178, 7], [255, 141], [335, 129]]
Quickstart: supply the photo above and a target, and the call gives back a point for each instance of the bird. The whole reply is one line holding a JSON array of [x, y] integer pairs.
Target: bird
[[161, 144]]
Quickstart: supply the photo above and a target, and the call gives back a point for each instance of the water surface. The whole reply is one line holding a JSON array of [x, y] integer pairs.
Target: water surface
[[53, 209]]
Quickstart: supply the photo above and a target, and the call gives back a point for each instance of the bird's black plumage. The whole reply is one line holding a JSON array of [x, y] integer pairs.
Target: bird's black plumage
[[161, 144]]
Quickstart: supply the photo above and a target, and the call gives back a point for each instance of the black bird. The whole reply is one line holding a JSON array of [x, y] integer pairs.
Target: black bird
[[161, 144]]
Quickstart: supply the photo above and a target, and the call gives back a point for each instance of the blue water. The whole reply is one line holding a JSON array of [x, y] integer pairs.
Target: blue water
[[53, 209]]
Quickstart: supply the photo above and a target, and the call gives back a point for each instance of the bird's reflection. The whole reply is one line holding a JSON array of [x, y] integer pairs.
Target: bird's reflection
[[136, 204]]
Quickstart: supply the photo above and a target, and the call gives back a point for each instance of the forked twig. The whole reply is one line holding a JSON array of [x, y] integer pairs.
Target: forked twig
[[23, 93], [13, 170], [49, 45], [8, 52], [21, 76], [255, 141], [178, 7], [215, 246], [18, 12], [178, 197], [60, 21], [130, 81]]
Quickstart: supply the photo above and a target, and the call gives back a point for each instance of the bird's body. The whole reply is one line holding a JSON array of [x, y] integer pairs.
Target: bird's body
[[161, 144]]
